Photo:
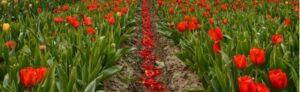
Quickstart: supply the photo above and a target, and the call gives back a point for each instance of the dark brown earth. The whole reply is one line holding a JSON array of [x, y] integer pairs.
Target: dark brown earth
[[175, 75]]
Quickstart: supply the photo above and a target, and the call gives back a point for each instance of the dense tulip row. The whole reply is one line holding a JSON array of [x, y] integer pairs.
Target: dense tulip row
[[63, 46], [262, 37], [148, 42]]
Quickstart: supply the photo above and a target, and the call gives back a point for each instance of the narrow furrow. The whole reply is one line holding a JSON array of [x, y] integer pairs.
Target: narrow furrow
[[151, 71]]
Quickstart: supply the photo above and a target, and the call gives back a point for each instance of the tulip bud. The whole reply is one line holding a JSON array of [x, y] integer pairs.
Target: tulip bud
[[119, 13], [4, 2], [42, 47], [5, 27], [30, 5]]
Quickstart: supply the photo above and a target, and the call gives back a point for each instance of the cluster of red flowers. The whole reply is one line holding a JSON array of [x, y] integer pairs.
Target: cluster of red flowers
[[87, 21], [148, 42], [278, 80], [191, 23], [30, 77], [60, 9], [110, 18], [216, 35], [277, 77]]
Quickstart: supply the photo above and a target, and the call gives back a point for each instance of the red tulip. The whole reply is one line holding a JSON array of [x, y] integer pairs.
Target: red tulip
[[215, 34], [206, 14], [216, 47], [10, 44], [257, 56], [183, 11], [73, 21], [246, 84], [278, 79], [199, 26], [111, 20], [224, 7], [181, 27], [287, 22], [224, 20], [208, 8], [194, 20], [65, 7], [192, 26], [211, 20], [87, 21], [192, 9], [160, 2], [186, 18], [217, 11], [171, 11], [124, 11], [40, 10], [41, 72], [75, 24], [240, 61], [90, 31], [58, 20], [261, 87], [30, 77], [277, 39]]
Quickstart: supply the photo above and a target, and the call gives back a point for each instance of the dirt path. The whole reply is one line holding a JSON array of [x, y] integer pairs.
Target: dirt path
[[175, 74]]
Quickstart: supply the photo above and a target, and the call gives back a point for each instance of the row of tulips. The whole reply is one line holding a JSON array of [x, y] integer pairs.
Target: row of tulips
[[72, 49], [148, 42], [14, 9], [235, 45]]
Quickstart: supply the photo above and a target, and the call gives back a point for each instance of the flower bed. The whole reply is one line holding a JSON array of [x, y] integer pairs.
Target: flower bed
[[236, 45], [71, 47]]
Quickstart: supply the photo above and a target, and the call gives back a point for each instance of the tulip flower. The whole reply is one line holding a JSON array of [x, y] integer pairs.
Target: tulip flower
[[277, 39], [90, 31], [261, 87], [194, 20], [192, 26], [278, 79], [87, 21], [246, 84], [65, 7], [216, 47], [181, 27], [58, 20], [224, 21], [287, 22], [5, 27], [186, 18], [215, 34], [171, 11], [211, 20], [192, 9], [111, 20], [30, 77], [257, 56], [10, 44], [240, 61]]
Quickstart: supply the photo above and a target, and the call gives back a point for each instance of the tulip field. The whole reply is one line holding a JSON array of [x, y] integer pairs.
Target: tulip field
[[149, 46]]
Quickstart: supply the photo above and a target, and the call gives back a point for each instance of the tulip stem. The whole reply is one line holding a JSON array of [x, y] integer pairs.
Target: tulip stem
[[256, 74]]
